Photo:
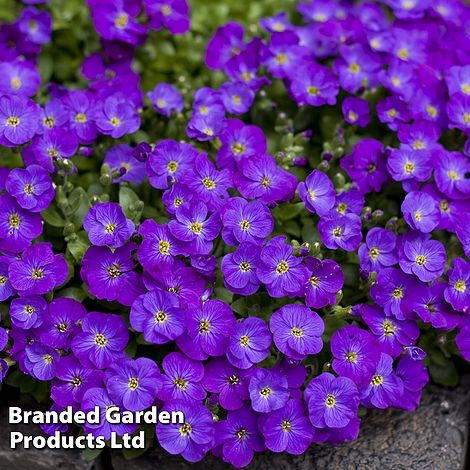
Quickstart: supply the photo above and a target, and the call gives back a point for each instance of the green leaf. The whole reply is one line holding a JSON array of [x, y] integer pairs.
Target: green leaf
[[128, 199], [223, 294], [52, 217], [73, 293], [79, 246], [91, 454], [444, 373]]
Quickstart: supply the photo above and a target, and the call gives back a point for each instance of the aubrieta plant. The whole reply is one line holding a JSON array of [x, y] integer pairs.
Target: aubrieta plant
[[262, 224]]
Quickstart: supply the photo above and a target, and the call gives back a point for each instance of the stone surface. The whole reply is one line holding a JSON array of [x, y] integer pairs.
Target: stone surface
[[433, 437]]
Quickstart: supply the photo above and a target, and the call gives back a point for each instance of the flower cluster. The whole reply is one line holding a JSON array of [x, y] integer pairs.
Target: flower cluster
[[292, 247]]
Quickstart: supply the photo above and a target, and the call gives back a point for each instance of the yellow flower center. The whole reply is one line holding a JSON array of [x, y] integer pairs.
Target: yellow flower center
[[453, 175], [15, 83], [236, 99], [186, 429], [14, 221], [160, 317], [110, 228], [352, 116], [114, 271], [208, 131], [241, 434], [337, 232], [418, 145], [286, 425], [208, 183], [460, 286], [418, 216], [282, 268], [13, 121], [377, 380], [374, 253], [409, 167], [49, 122], [388, 328], [178, 201], [80, 117], [245, 267], [29, 309], [265, 392], [420, 260], [351, 356], [313, 91], [166, 10], [29, 189], [431, 110], [403, 53], [48, 358], [297, 332], [101, 340], [392, 112], [180, 383], [196, 227], [133, 383], [204, 326], [122, 20], [281, 58], [245, 225], [466, 118], [342, 207], [354, 67], [37, 274], [397, 293], [164, 247], [330, 400], [238, 148], [314, 280], [465, 87], [172, 166], [265, 182], [3, 280], [115, 121], [244, 340], [161, 103]]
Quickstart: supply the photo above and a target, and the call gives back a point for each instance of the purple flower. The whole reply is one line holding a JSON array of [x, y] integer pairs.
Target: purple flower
[[288, 429], [414, 376], [54, 115], [142, 151], [121, 157], [193, 438], [106, 225], [245, 222], [61, 322], [98, 396], [115, 21], [356, 111], [19, 78], [225, 45], [325, 280], [366, 165], [6, 289], [385, 388], [208, 330], [332, 401], [239, 437], [133, 383], [159, 246], [193, 227], [390, 289], [171, 14], [458, 111], [407, 164], [207, 126], [19, 118], [249, 343], [36, 25], [41, 361], [73, 380], [450, 173], [237, 97], [38, 271], [297, 331], [281, 272], [28, 312], [116, 116], [351, 201], [317, 193], [429, 304], [424, 258], [158, 316], [420, 211], [462, 340], [208, 184], [182, 379], [3, 338], [391, 334], [102, 341], [268, 391], [80, 106], [31, 187], [228, 381], [239, 269], [170, 161], [340, 231], [53, 145], [458, 291], [166, 99], [239, 141], [379, 250], [110, 274], [260, 178], [18, 227], [355, 353], [313, 85]]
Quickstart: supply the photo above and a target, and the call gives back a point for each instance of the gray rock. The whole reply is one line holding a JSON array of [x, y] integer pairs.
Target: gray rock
[[433, 437]]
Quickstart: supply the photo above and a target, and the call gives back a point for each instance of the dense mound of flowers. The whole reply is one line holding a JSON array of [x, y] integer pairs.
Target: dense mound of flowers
[[272, 245]]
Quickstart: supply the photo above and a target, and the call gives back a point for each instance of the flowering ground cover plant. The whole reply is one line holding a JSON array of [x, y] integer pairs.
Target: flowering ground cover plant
[[264, 224]]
